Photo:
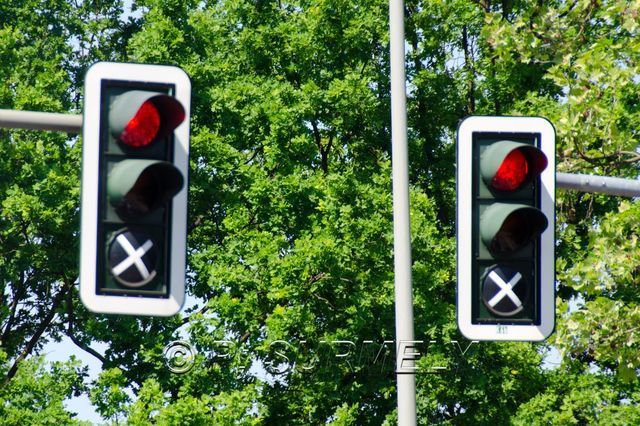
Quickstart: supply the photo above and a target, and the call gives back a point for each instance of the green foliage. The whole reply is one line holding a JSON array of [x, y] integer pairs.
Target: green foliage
[[227, 408], [581, 399], [108, 393], [35, 395], [602, 330], [459, 394]]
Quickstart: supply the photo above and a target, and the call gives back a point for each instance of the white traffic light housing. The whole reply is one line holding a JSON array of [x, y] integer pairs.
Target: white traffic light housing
[[505, 228], [134, 188]]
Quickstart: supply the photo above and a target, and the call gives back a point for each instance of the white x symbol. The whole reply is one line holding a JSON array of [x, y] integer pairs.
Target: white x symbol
[[506, 289], [135, 257]]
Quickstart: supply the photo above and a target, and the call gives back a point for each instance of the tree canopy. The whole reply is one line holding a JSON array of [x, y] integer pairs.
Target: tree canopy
[[290, 246]]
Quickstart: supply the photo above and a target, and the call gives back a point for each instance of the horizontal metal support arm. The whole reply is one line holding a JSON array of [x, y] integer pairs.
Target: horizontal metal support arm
[[13, 119], [602, 184], [72, 123]]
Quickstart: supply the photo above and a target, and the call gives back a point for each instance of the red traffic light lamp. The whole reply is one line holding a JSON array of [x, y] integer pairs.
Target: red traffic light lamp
[[137, 118], [506, 166]]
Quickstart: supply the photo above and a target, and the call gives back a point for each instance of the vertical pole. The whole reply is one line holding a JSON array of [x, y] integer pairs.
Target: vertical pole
[[401, 226]]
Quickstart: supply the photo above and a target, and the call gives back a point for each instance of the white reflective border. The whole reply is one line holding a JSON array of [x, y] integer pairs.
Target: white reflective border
[[90, 181], [502, 332]]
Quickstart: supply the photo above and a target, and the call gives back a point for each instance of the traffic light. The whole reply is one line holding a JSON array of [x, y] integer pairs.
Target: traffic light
[[134, 188], [505, 228]]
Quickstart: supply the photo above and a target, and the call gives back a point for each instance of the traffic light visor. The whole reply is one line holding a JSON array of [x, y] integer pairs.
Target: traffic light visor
[[507, 166], [507, 228], [137, 117], [137, 187]]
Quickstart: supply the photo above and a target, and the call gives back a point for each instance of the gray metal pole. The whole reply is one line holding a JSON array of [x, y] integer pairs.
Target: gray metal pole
[[401, 227], [601, 184], [69, 123]]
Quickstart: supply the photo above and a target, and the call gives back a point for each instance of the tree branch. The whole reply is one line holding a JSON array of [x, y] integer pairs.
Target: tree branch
[[204, 309], [19, 293], [324, 149], [39, 331], [71, 335]]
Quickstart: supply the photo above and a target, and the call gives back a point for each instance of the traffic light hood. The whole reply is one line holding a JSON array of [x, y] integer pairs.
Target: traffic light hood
[[507, 228], [138, 187], [139, 117], [506, 166]]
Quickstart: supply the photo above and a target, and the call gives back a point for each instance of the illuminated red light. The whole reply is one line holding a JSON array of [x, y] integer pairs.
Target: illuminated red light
[[142, 129], [512, 172]]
